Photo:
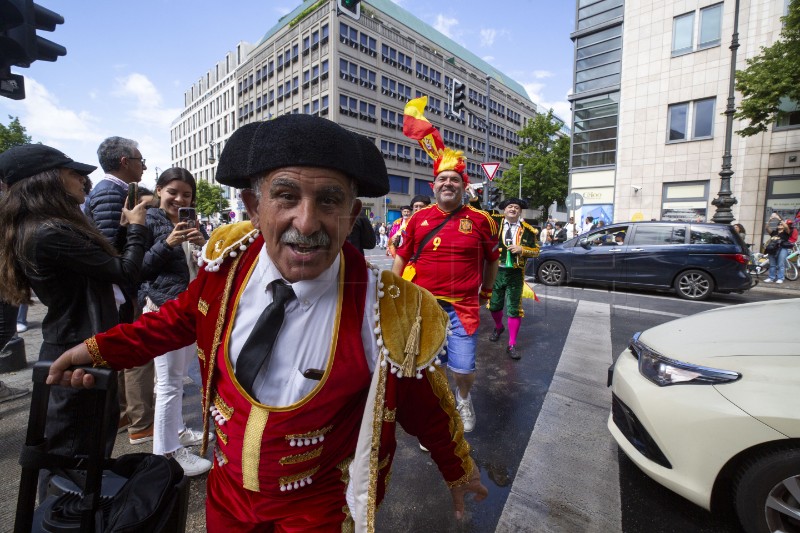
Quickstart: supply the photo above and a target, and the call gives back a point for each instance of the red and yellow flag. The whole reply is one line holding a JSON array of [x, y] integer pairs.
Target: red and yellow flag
[[417, 127]]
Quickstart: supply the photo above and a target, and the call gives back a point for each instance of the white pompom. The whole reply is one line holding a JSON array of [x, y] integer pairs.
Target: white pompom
[[243, 248], [232, 254]]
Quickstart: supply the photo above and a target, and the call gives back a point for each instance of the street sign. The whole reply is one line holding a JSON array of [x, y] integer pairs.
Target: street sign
[[490, 169], [574, 201], [232, 215]]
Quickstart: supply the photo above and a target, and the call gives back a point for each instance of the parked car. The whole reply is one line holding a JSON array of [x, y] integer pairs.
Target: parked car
[[709, 406], [693, 260]]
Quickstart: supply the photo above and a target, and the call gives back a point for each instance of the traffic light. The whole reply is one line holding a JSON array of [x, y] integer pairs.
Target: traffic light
[[351, 8], [459, 93], [495, 197], [19, 44]]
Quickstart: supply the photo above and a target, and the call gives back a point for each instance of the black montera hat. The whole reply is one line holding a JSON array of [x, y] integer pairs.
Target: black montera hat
[[26, 160], [521, 203], [301, 140]]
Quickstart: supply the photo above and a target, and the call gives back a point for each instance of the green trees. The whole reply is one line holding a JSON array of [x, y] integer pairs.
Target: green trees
[[770, 85], [544, 156], [210, 198], [13, 134]]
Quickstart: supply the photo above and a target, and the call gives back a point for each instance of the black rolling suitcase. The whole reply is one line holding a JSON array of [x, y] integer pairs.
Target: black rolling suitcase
[[133, 493]]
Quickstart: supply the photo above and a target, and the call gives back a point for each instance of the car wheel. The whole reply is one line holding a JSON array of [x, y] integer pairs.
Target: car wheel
[[694, 285], [551, 273], [767, 493]]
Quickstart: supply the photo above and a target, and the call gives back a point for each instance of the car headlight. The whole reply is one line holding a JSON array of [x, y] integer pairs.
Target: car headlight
[[664, 371]]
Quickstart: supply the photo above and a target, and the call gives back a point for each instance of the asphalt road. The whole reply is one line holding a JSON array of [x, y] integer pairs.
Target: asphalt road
[[540, 440]]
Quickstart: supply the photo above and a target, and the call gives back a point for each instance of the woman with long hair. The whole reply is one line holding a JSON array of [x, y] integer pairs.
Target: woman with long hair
[[165, 275], [49, 247]]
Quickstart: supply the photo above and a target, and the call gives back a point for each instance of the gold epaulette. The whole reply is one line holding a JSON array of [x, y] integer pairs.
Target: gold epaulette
[[412, 327], [226, 241], [529, 227]]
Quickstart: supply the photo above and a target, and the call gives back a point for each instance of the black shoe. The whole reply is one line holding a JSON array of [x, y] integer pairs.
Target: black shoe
[[496, 333], [513, 353]]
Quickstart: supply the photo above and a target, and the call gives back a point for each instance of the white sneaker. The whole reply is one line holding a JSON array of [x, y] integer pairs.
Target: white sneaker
[[191, 437], [193, 465], [768, 280], [11, 393], [466, 411], [779, 281]]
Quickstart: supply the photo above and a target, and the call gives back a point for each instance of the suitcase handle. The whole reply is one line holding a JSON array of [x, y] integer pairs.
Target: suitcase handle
[[35, 440]]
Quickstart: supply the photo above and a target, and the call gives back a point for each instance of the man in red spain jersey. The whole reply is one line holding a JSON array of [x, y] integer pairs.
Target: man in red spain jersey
[[451, 250]]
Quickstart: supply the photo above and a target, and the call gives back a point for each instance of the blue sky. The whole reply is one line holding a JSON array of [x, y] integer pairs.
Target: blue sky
[[129, 63]]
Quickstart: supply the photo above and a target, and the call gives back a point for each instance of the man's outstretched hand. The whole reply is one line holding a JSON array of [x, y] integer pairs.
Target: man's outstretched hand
[[474, 486], [61, 375]]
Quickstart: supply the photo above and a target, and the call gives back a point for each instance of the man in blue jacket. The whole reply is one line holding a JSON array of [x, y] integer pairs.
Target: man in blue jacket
[[123, 164]]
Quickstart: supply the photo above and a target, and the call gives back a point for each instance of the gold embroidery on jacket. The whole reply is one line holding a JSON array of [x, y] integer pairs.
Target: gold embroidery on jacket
[[94, 352], [224, 409], [344, 466], [251, 447], [316, 434], [348, 526], [377, 421], [389, 415], [384, 462], [301, 457], [223, 438], [286, 480], [214, 347], [202, 306], [201, 354]]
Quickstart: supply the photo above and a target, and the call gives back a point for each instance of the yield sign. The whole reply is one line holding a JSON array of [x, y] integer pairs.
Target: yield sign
[[489, 169]]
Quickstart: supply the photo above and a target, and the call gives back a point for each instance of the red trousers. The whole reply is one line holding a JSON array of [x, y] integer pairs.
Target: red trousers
[[233, 509]]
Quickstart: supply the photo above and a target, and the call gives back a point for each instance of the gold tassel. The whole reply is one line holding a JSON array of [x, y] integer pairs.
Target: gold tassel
[[412, 344]]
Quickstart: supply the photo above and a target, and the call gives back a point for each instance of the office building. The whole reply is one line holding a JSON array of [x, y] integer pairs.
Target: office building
[[651, 87]]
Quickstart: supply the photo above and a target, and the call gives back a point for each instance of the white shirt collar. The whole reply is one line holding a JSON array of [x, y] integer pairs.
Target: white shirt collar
[[306, 291], [116, 180]]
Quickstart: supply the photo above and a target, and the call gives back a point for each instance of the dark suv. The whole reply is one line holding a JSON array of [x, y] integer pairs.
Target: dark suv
[[692, 259]]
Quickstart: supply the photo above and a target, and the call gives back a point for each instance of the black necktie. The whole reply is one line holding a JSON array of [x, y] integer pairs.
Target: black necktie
[[509, 236], [258, 346]]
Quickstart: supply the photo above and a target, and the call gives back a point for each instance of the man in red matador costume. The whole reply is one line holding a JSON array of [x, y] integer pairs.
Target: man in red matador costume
[[451, 250], [309, 356]]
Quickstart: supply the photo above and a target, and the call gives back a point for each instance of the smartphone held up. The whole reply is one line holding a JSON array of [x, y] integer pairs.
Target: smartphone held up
[[133, 195], [188, 215]]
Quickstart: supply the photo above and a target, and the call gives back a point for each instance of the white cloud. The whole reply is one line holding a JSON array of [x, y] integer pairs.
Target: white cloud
[[488, 59], [561, 108], [47, 122], [541, 74], [149, 105], [488, 36], [445, 25]]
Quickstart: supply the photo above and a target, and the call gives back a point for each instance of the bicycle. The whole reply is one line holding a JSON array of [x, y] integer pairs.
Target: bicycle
[[758, 264], [791, 263]]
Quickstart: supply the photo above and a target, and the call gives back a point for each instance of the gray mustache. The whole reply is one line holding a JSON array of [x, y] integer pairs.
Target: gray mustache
[[293, 236]]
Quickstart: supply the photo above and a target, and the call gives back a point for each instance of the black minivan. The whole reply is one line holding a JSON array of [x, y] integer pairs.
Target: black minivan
[[692, 259]]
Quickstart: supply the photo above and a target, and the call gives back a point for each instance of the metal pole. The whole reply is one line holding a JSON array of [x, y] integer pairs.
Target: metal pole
[[486, 148], [725, 199], [520, 181]]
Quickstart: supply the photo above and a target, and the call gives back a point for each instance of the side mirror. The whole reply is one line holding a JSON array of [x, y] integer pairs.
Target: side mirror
[[585, 243]]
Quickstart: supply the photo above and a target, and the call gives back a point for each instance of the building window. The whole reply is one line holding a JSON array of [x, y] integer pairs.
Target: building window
[[690, 121], [594, 139], [598, 12], [684, 202], [598, 60], [704, 30], [398, 184], [789, 116]]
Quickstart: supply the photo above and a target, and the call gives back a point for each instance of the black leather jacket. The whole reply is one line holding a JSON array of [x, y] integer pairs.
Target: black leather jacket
[[73, 276]]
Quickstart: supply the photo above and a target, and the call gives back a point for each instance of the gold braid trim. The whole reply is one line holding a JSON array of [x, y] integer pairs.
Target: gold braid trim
[[202, 306], [223, 438], [311, 434], [251, 448], [389, 415], [377, 423], [348, 526], [285, 480], [384, 463], [463, 480], [344, 466], [201, 355], [301, 457], [94, 352], [441, 389], [224, 409], [206, 399]]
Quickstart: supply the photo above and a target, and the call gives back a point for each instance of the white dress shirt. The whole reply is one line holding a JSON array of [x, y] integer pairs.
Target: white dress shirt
[[305, 338]]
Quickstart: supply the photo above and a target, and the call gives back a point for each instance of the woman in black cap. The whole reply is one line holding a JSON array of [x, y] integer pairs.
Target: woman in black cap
[[48, 246]]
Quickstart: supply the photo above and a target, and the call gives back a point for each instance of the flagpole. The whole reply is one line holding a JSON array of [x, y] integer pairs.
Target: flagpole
[[486, 148]]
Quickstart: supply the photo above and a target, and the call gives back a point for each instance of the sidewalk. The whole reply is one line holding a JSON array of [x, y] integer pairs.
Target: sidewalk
[[14, 421]]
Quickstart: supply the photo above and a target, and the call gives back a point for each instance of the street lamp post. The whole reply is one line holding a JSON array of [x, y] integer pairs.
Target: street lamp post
[[520, 180], [725, 200], [158, 173]]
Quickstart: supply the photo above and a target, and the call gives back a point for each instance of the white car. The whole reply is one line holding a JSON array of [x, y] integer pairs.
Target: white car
[[709, 406]]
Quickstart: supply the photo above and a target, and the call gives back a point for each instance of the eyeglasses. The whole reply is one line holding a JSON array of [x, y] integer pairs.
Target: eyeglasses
[[142, 159]]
